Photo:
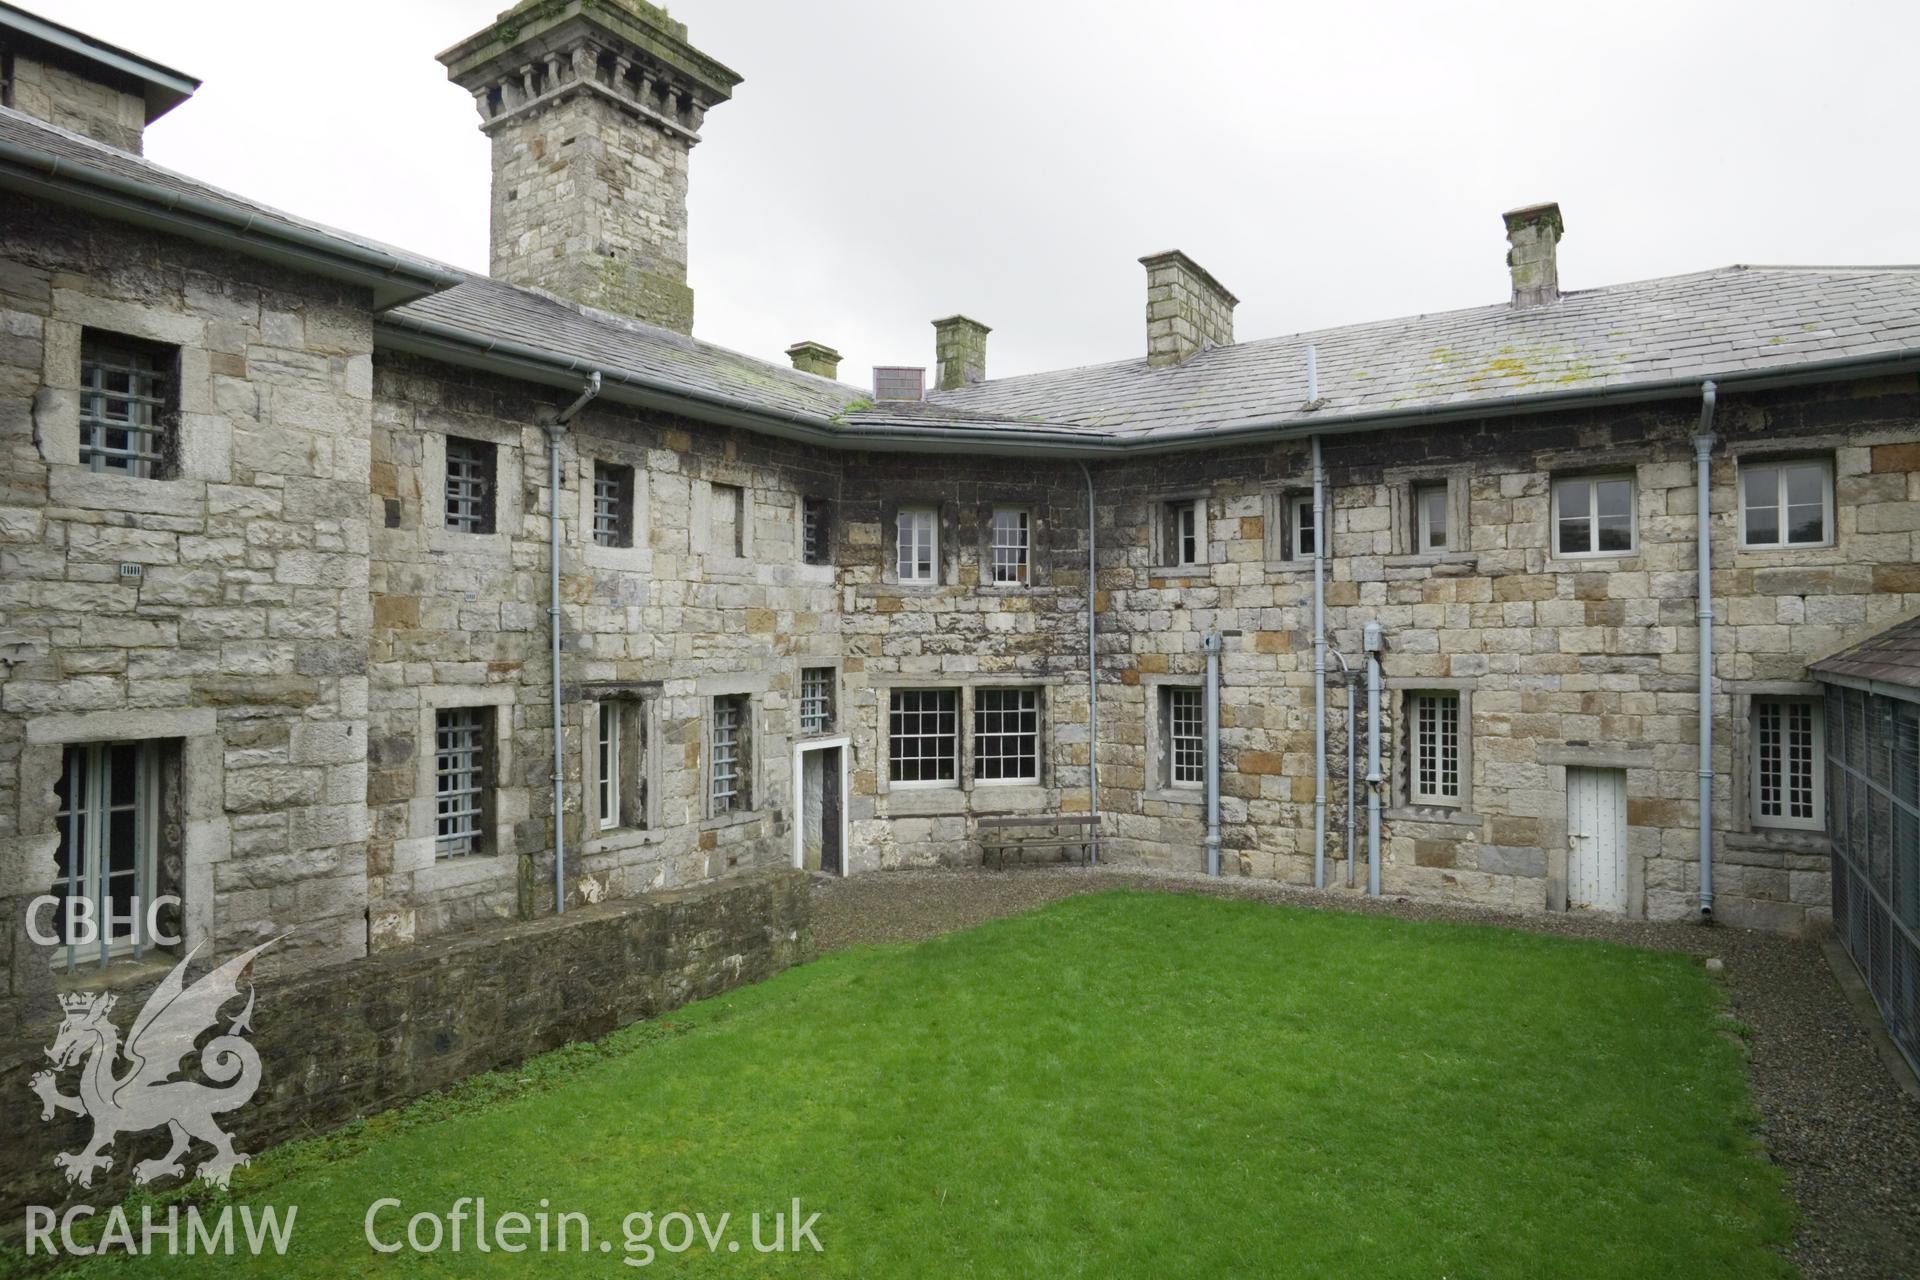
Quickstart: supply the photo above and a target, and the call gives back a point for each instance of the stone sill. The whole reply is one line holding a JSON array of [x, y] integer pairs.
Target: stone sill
[[1467, 561], [1605, 562], [1772, 840], [1432, 813], [1764, 556], [732, 818], [1177, 795], [122, 973], [621, 838]]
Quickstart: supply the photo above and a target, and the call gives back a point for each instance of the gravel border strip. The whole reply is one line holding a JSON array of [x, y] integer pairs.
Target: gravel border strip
[[1832, 1115]]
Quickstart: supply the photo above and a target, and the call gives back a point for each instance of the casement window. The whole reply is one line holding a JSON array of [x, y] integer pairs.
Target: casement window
[[1012, 545], [731, 764], [1182, 533], [126, 404], [617, 728], [917, 544], [1302, 536], [470, 485], [109, 807], [1434, 763], [923, 737], [816, 700], [1006, 735], [1183, 736], [607, 772], [612, 505], [462, 751], [816, 531], [1786, 504], [1430, 525], [1787, 749], [1593, 515], [728, 510]]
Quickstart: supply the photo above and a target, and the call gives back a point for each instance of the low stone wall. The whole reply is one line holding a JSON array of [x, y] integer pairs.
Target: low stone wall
[[360, 1037]]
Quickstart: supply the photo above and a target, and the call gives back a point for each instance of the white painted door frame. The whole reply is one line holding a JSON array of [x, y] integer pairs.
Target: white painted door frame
[[800, 749]]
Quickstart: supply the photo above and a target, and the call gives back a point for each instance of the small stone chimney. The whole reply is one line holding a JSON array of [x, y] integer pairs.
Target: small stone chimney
[[1187, 309], [68, 78], [1534, 232], [960, 349], [815, 357], [593, 107]]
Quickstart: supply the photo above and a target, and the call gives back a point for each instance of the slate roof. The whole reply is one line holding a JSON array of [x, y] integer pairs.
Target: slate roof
[[496, 311], [1891, 657], [1713, 324], [76, 163], [1710, 324]]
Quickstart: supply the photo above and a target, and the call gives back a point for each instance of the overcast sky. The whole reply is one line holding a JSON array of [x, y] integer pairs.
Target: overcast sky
[[885, 162]]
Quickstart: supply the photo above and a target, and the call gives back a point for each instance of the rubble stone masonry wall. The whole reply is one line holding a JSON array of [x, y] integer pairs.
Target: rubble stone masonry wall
[[221, 610]]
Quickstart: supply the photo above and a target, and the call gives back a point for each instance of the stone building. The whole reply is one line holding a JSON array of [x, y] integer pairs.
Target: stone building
[[331, 574]]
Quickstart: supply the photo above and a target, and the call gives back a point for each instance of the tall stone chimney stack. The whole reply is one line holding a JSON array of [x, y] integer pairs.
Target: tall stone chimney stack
[[1187, 309], [960, 349], [593, 107], [1534, 232]]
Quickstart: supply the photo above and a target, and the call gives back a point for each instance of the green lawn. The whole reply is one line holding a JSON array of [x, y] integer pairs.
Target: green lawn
[[1127, 1083]]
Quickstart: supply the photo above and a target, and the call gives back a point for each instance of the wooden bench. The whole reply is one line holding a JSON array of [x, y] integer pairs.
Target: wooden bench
[[1000, 834]]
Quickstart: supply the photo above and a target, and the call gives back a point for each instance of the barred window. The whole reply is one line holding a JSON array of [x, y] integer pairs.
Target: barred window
[[1012, 545], [126, 411], [816, 699], [612, 505], [109, 807], [607, 764], [1183, 741], [816, 531], [923, 736], [1180, 526], [1006, 735], [1786, 504], [917, 544], [729, 773], [459, 766], [1787, 749], [470, 485], [1436, 748], [1592, 515]]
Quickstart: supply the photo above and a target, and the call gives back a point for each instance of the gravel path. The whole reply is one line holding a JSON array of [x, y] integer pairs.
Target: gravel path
[[1848, 1136]]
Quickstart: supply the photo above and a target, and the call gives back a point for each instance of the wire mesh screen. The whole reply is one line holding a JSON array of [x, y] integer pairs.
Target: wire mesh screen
[[1873, 789]]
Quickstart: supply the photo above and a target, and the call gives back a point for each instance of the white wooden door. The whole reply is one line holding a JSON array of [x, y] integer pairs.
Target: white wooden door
[[1597, 839]]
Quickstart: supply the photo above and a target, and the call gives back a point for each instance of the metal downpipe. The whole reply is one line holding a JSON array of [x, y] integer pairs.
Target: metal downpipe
[[1212, 705], [1373, 641], [1703, 536], [553, 431], [1093, 683], [1319, 670]]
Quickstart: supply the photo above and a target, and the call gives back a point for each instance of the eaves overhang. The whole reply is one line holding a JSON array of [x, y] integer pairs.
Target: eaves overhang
[[392, 278], [458, 346]]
